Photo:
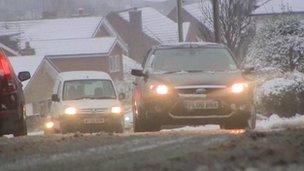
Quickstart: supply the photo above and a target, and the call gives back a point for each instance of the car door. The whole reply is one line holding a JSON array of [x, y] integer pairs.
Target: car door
[[140, 82], [57, 106]]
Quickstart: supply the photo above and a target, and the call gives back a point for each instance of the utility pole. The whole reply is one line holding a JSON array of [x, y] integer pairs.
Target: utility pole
[[180, 21], [216, 21]]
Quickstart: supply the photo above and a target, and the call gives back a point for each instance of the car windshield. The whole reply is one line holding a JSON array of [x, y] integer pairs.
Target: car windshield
[[88, 89], [198, 59]]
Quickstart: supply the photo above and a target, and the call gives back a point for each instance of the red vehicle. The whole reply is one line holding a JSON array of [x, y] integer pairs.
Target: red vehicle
[[12, 110]]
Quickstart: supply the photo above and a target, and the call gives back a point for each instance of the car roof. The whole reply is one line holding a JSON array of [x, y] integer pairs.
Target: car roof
[[83, 75], [189, 45]]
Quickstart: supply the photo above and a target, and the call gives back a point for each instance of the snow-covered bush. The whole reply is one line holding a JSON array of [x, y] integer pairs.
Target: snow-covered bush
[[279, 43], [283, 96]]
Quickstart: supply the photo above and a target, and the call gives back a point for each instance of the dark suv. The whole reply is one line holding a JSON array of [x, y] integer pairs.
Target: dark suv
[[192, 83], [12, 111]]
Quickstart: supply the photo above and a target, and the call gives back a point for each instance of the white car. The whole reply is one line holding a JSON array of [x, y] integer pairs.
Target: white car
[[85, 101]]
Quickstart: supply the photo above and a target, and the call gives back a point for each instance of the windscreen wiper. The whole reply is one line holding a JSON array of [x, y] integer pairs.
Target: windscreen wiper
[[171, 72], [104, 97], [194, 71], [83, 98]]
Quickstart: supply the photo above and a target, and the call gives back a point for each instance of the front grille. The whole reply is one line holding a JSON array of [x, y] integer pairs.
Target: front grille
[[94, 111], [193, 91], [199, 90]]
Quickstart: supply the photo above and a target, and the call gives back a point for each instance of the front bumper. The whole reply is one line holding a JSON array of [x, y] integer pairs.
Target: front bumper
[[85, 122], [172, 109]]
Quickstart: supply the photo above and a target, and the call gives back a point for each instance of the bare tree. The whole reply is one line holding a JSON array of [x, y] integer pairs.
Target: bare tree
[[235, 23], [278, 44]]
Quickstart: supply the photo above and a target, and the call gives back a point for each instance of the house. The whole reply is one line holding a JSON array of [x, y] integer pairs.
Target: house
[[127, 85], [163, 6], [141, 28], [11, 33], [50, 29], [26, 63], [271, 8], [9, 46], [97, 54], [201, 26], [59, 29]]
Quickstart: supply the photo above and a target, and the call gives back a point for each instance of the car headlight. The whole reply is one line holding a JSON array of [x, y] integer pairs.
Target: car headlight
[[49, 125], [238, 87], [70, 111], [162, 89], [116, 110]]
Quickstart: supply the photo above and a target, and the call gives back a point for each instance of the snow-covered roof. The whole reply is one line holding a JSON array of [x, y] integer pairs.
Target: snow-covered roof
[[68, 28], [83, 75], [129, 64], [189, 44], [156, 25], [196, 10], [51, 29], [25, 63], [15, 27], [74, 46], [261, 2], [8, 49], [280, 6], [113, 33]]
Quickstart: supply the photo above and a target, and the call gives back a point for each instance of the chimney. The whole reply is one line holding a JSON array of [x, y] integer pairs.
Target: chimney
[[135, 17], [136, 42], [80, 12], [28, 50]]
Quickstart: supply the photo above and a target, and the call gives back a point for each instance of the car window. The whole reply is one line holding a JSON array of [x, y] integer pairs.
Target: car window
[[88, 89], [195, 59]]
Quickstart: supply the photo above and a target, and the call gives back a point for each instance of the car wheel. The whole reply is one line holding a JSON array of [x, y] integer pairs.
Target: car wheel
[[21, 128], [242, 120], [117, 127], [138, 124], [48, 132], [145, 124], [64, 129], [142, 121]]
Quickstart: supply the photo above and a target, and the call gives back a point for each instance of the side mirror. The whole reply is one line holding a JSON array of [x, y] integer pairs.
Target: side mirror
[[23, 76], [122, 96], [248, 70], [55, 98], [137, 72]]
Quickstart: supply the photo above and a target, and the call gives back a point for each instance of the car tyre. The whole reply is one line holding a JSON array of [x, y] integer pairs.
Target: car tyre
[[116, 128], [21, 128], [145, 124], [241, 120], [48, 132], [64, 129]]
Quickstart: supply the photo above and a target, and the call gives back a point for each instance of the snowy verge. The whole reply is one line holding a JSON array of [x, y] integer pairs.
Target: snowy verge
[[276, 122], [194, 128], [263, 123]]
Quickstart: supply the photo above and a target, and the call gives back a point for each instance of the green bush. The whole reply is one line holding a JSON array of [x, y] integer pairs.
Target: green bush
[[283, 96]]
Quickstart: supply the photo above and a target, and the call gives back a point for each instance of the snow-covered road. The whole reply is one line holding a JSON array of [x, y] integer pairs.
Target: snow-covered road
[[184, 148]]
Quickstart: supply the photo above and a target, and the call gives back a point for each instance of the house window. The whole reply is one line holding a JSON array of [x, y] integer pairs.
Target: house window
[[115, 63]]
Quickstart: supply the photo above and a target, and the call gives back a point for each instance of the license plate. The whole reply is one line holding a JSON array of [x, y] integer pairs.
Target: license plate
[[94, 121], [197, 105]]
